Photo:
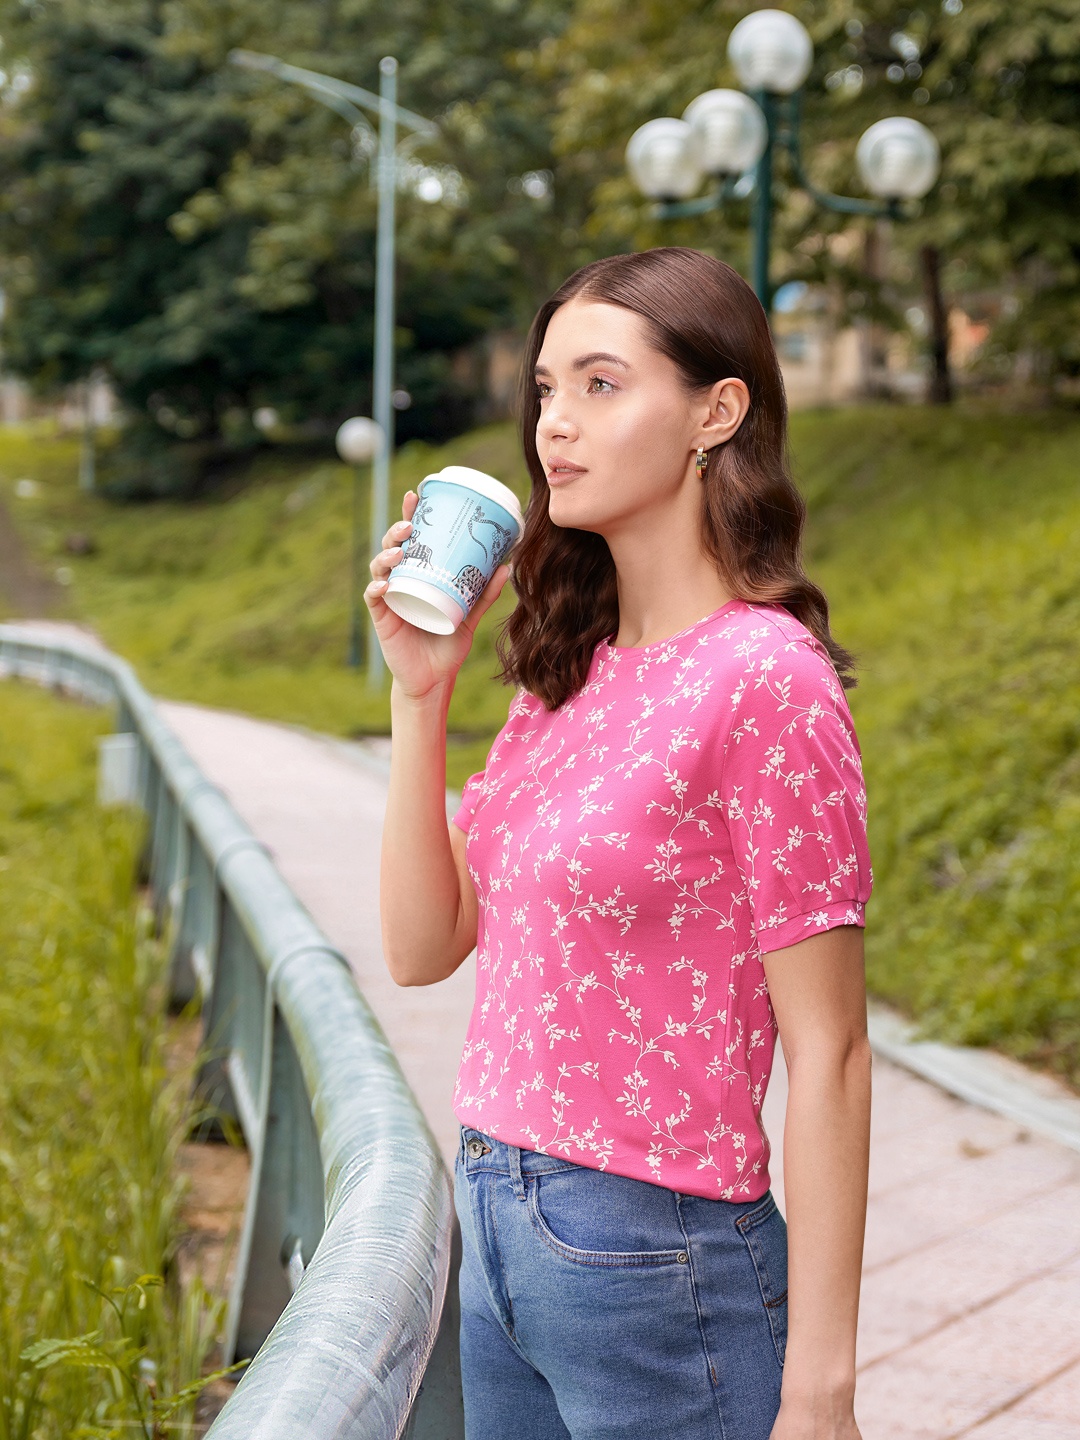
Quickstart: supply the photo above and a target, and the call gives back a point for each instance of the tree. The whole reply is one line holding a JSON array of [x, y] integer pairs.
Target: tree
[[206, 236], [998, 83]]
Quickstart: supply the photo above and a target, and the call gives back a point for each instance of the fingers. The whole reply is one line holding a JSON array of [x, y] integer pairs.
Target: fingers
[[397, 533], [394, 540], [384, 562]]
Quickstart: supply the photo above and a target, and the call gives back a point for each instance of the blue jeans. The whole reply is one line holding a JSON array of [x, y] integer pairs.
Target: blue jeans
[[596, 1307]]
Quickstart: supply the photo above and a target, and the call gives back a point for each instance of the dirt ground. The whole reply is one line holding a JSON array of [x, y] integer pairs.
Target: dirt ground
[[25, 591], [217, 1178]]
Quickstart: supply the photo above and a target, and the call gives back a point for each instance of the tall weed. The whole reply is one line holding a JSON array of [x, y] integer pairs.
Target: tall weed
[[93, 1326]]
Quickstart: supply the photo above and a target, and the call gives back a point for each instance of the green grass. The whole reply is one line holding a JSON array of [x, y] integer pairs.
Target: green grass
[[949, 547], [948, 543], [90, 1121], [244, 603]]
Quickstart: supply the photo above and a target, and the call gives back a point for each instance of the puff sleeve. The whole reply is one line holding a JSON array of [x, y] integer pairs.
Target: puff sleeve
[[793, 795], [463, 816]]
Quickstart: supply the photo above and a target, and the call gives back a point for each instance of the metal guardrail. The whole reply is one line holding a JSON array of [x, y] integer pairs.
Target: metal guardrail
[[346, 1255]]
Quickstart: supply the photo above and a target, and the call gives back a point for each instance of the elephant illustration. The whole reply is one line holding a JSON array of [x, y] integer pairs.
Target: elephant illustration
[[470, 582], [501, 538]]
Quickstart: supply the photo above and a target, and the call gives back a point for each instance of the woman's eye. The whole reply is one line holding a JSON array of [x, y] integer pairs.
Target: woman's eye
[[598, 385], [542, 390]]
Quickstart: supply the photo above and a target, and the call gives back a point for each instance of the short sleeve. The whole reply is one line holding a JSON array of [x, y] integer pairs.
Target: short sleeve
[[463, 816], [792, 791]]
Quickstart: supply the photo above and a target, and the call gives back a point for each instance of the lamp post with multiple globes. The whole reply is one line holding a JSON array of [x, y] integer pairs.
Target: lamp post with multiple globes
[[731, 137]]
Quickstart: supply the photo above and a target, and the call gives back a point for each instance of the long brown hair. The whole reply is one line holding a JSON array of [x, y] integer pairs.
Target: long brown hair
[[705, 318]]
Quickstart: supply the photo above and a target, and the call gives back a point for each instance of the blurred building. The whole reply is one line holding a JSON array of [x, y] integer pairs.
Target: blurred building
[[830, 363], [90, 402]]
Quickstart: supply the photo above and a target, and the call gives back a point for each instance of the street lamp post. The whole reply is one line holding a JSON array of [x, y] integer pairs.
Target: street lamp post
[[731, 136], [359, 442], [350, 101]]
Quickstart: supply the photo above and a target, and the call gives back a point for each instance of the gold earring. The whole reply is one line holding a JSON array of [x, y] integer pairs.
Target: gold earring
[[702, 462]]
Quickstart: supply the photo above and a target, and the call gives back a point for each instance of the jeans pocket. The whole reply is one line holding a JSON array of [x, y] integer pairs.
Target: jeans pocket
[[765, 1234], [591, 1217]]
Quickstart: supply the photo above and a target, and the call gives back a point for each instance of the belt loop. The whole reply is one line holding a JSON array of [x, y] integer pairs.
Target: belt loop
[[516, 1176]]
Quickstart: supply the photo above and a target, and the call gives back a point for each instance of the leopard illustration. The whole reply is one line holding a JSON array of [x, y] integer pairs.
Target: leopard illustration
[[470, 582]]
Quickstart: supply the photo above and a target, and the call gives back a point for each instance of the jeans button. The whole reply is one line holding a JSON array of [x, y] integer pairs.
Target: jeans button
[[476, 1148], [682, 1257]]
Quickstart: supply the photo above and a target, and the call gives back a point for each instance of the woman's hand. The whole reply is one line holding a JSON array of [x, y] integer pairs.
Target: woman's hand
[[420, 663]]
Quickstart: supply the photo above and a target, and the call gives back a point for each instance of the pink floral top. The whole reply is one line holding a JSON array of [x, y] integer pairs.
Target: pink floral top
[[698, 803]]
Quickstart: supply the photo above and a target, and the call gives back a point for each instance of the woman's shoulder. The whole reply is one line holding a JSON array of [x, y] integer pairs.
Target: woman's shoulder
[[770, 657], [753, 631]]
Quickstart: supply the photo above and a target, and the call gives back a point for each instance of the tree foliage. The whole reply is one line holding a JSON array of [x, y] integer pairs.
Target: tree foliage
[[205, 235], [997, 82]]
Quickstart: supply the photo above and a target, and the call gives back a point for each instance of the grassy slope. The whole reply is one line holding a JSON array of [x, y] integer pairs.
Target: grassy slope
[[88, 1122], [948, 545], [244, 603]]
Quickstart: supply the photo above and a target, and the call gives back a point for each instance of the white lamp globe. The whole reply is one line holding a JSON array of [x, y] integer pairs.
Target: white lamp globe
[[771, 50], [663, 161], [359, 440], [731, 131], [898, 159]]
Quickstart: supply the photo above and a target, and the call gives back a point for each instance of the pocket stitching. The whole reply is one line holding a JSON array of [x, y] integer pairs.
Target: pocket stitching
[[745, 1225], [631, 1259]]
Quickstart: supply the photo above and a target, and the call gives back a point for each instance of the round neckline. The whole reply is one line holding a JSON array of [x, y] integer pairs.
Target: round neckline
[[670, 639]]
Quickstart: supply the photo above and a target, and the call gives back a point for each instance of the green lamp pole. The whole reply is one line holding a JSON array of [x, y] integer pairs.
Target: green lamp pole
[[350, 101], [733, 137]]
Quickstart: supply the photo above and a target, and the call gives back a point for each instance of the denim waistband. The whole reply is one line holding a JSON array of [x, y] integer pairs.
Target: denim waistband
[[479, 1151]]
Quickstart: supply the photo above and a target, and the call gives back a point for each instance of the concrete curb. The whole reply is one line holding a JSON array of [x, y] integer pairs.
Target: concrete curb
[[1037, 1102]]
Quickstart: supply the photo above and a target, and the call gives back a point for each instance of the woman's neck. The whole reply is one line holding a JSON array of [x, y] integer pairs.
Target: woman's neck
[[665, 582]]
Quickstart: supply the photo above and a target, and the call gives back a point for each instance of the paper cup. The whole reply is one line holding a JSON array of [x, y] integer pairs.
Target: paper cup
[[464, 526]]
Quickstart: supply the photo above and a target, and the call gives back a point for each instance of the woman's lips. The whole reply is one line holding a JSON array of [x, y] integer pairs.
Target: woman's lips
[[561, 472]]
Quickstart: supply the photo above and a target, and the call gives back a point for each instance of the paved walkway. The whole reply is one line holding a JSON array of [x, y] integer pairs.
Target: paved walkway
[[971, 1302]]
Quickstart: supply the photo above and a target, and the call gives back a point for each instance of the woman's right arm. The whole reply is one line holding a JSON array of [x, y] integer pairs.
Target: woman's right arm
[[427, 898]]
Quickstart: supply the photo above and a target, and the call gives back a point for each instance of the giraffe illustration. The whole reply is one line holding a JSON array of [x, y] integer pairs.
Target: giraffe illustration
[[501, 540]]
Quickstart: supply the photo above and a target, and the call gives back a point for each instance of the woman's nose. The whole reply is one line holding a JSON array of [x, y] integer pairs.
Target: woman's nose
[[555, 422]]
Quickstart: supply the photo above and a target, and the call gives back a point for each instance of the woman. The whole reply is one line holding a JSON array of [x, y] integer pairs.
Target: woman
[[665, 851]]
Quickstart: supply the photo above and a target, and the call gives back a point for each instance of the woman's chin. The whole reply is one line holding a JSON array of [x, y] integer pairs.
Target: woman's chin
[[562, 511]]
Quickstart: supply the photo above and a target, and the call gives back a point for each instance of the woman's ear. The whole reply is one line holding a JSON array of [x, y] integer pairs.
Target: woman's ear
[[728, 403]]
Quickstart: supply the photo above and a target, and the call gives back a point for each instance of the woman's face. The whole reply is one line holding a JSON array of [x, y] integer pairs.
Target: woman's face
[[618, 430]]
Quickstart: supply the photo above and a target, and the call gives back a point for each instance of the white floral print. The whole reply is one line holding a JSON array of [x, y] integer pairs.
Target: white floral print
[[696, 804]]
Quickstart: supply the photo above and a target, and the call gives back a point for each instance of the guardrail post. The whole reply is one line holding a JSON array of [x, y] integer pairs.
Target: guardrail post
[[165, 854], [284, 1218], [231, 1079], [118, 770], [438, 1411], [191, 965]]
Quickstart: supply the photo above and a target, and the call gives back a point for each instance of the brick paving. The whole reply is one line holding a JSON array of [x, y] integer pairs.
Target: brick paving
[[970, 1321]]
